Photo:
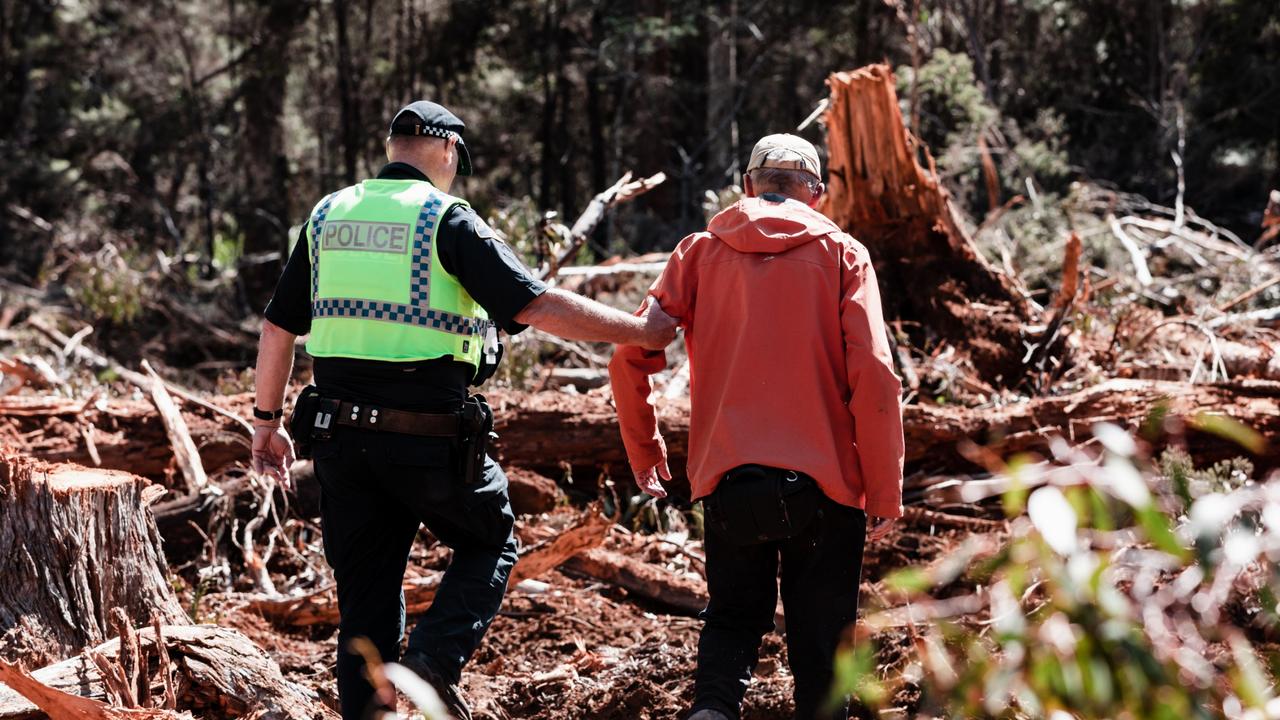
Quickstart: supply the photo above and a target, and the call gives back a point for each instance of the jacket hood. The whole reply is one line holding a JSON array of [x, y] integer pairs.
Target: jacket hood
[[760, 225]]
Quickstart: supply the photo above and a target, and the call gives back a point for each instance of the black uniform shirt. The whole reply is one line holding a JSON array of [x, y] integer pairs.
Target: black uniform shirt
[[470, 251]]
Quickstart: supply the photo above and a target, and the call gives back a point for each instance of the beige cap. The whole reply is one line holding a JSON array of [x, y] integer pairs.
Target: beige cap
[[786, 152]]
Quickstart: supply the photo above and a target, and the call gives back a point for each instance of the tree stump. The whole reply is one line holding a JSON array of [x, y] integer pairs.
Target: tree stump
[[213, 672], [74, 544], [929, 269]]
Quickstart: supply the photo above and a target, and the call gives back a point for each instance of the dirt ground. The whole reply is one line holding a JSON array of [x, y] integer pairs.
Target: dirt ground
[[579, 648]]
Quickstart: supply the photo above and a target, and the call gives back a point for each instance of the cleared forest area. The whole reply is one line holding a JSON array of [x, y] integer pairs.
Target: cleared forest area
[[1091, 405]]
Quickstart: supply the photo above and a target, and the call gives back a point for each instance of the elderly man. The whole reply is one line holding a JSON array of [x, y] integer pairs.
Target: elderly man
[[402, 288], [795, 432]]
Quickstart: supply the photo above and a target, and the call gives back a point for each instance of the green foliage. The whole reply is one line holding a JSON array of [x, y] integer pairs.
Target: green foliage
[[1100, 604], [952, 108], [1189, 483], [108, 286], [519, 224], [956, 119], [227, 250]]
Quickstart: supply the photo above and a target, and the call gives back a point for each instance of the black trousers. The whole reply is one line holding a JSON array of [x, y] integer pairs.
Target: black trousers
[[377, 489], [821, 569]]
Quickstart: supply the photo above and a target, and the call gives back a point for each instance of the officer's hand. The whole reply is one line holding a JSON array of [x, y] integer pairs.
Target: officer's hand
[[659, 327], [272, 453], [879, 527], [648, 479]]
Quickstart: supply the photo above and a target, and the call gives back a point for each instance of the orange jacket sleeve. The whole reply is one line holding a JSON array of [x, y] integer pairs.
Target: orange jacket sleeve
[[631, 366], [875, 390]]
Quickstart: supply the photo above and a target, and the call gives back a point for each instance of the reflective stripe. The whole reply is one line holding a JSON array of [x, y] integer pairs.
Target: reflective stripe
[[419, 312], [317, 228]]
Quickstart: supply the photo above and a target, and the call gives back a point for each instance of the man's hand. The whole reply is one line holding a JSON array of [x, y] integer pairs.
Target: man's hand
[[272, 453], [659, 328], [878, 528], [648, 479]]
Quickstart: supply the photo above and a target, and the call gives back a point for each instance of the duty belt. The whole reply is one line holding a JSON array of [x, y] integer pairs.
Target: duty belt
[[371, 417]]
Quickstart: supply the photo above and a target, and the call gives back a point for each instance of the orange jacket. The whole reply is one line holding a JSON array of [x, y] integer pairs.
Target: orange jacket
[[788, 357]]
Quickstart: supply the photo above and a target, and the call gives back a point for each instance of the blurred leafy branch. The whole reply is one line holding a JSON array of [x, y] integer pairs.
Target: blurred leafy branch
[[1127, 588]]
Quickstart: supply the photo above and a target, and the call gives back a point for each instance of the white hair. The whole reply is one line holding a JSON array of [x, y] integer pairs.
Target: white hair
[[785, 182]]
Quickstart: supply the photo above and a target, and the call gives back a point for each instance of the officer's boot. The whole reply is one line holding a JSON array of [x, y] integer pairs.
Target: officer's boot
[[449, 692]]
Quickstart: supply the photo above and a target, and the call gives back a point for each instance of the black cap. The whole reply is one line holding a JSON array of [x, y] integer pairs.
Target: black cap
[[427, 118]]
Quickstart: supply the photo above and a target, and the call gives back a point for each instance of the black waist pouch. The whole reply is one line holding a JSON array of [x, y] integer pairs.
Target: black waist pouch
[[757, 504], [302, 421]]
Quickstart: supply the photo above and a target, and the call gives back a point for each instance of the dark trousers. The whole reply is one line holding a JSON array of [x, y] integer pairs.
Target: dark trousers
[[377, 489], [821, 569]]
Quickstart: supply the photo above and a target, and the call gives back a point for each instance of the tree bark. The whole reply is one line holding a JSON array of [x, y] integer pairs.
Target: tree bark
[[264, 215], [929, 269], [642, 579], [220, 673], [348, 103], [78, 543], [544, 431], [126, 434]]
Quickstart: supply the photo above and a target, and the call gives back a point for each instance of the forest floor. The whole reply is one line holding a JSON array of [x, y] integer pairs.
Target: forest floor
[[580, 648]]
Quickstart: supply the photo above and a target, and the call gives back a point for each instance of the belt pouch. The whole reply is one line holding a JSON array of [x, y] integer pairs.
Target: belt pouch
[[476, 426], [302, 419]]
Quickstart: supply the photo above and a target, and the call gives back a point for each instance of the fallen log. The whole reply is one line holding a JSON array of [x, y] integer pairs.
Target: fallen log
[[127, 434], [77, 543], [187, 522], [642, 579], [929, 269], [547, 430], [934, 434], [175, 427], [623, 190], [532, 493], [321, 607], [221, 674], [543, 431]]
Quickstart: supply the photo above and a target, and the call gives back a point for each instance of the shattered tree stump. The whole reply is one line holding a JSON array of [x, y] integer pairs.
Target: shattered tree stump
[[928, 267], [76, 544]]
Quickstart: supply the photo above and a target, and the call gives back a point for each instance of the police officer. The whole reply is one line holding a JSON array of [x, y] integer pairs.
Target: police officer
[[401, 288]]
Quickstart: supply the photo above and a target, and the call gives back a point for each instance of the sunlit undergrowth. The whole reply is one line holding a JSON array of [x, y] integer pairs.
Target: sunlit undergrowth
[[1130, 588]]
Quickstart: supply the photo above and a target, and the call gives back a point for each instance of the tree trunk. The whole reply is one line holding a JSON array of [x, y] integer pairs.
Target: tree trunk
[[78, 543], [543, 431], [928, 267], [719, 94], [264, 214], [347, 100], [652, 582]]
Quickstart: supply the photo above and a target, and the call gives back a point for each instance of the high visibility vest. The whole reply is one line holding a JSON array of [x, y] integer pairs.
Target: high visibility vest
[[378, 290]]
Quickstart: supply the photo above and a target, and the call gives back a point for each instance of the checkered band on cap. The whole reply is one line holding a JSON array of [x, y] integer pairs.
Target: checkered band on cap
[[433, 131], [419, 311]]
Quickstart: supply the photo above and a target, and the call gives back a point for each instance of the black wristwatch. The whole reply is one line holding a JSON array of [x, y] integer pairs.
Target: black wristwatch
[[268, 414]]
